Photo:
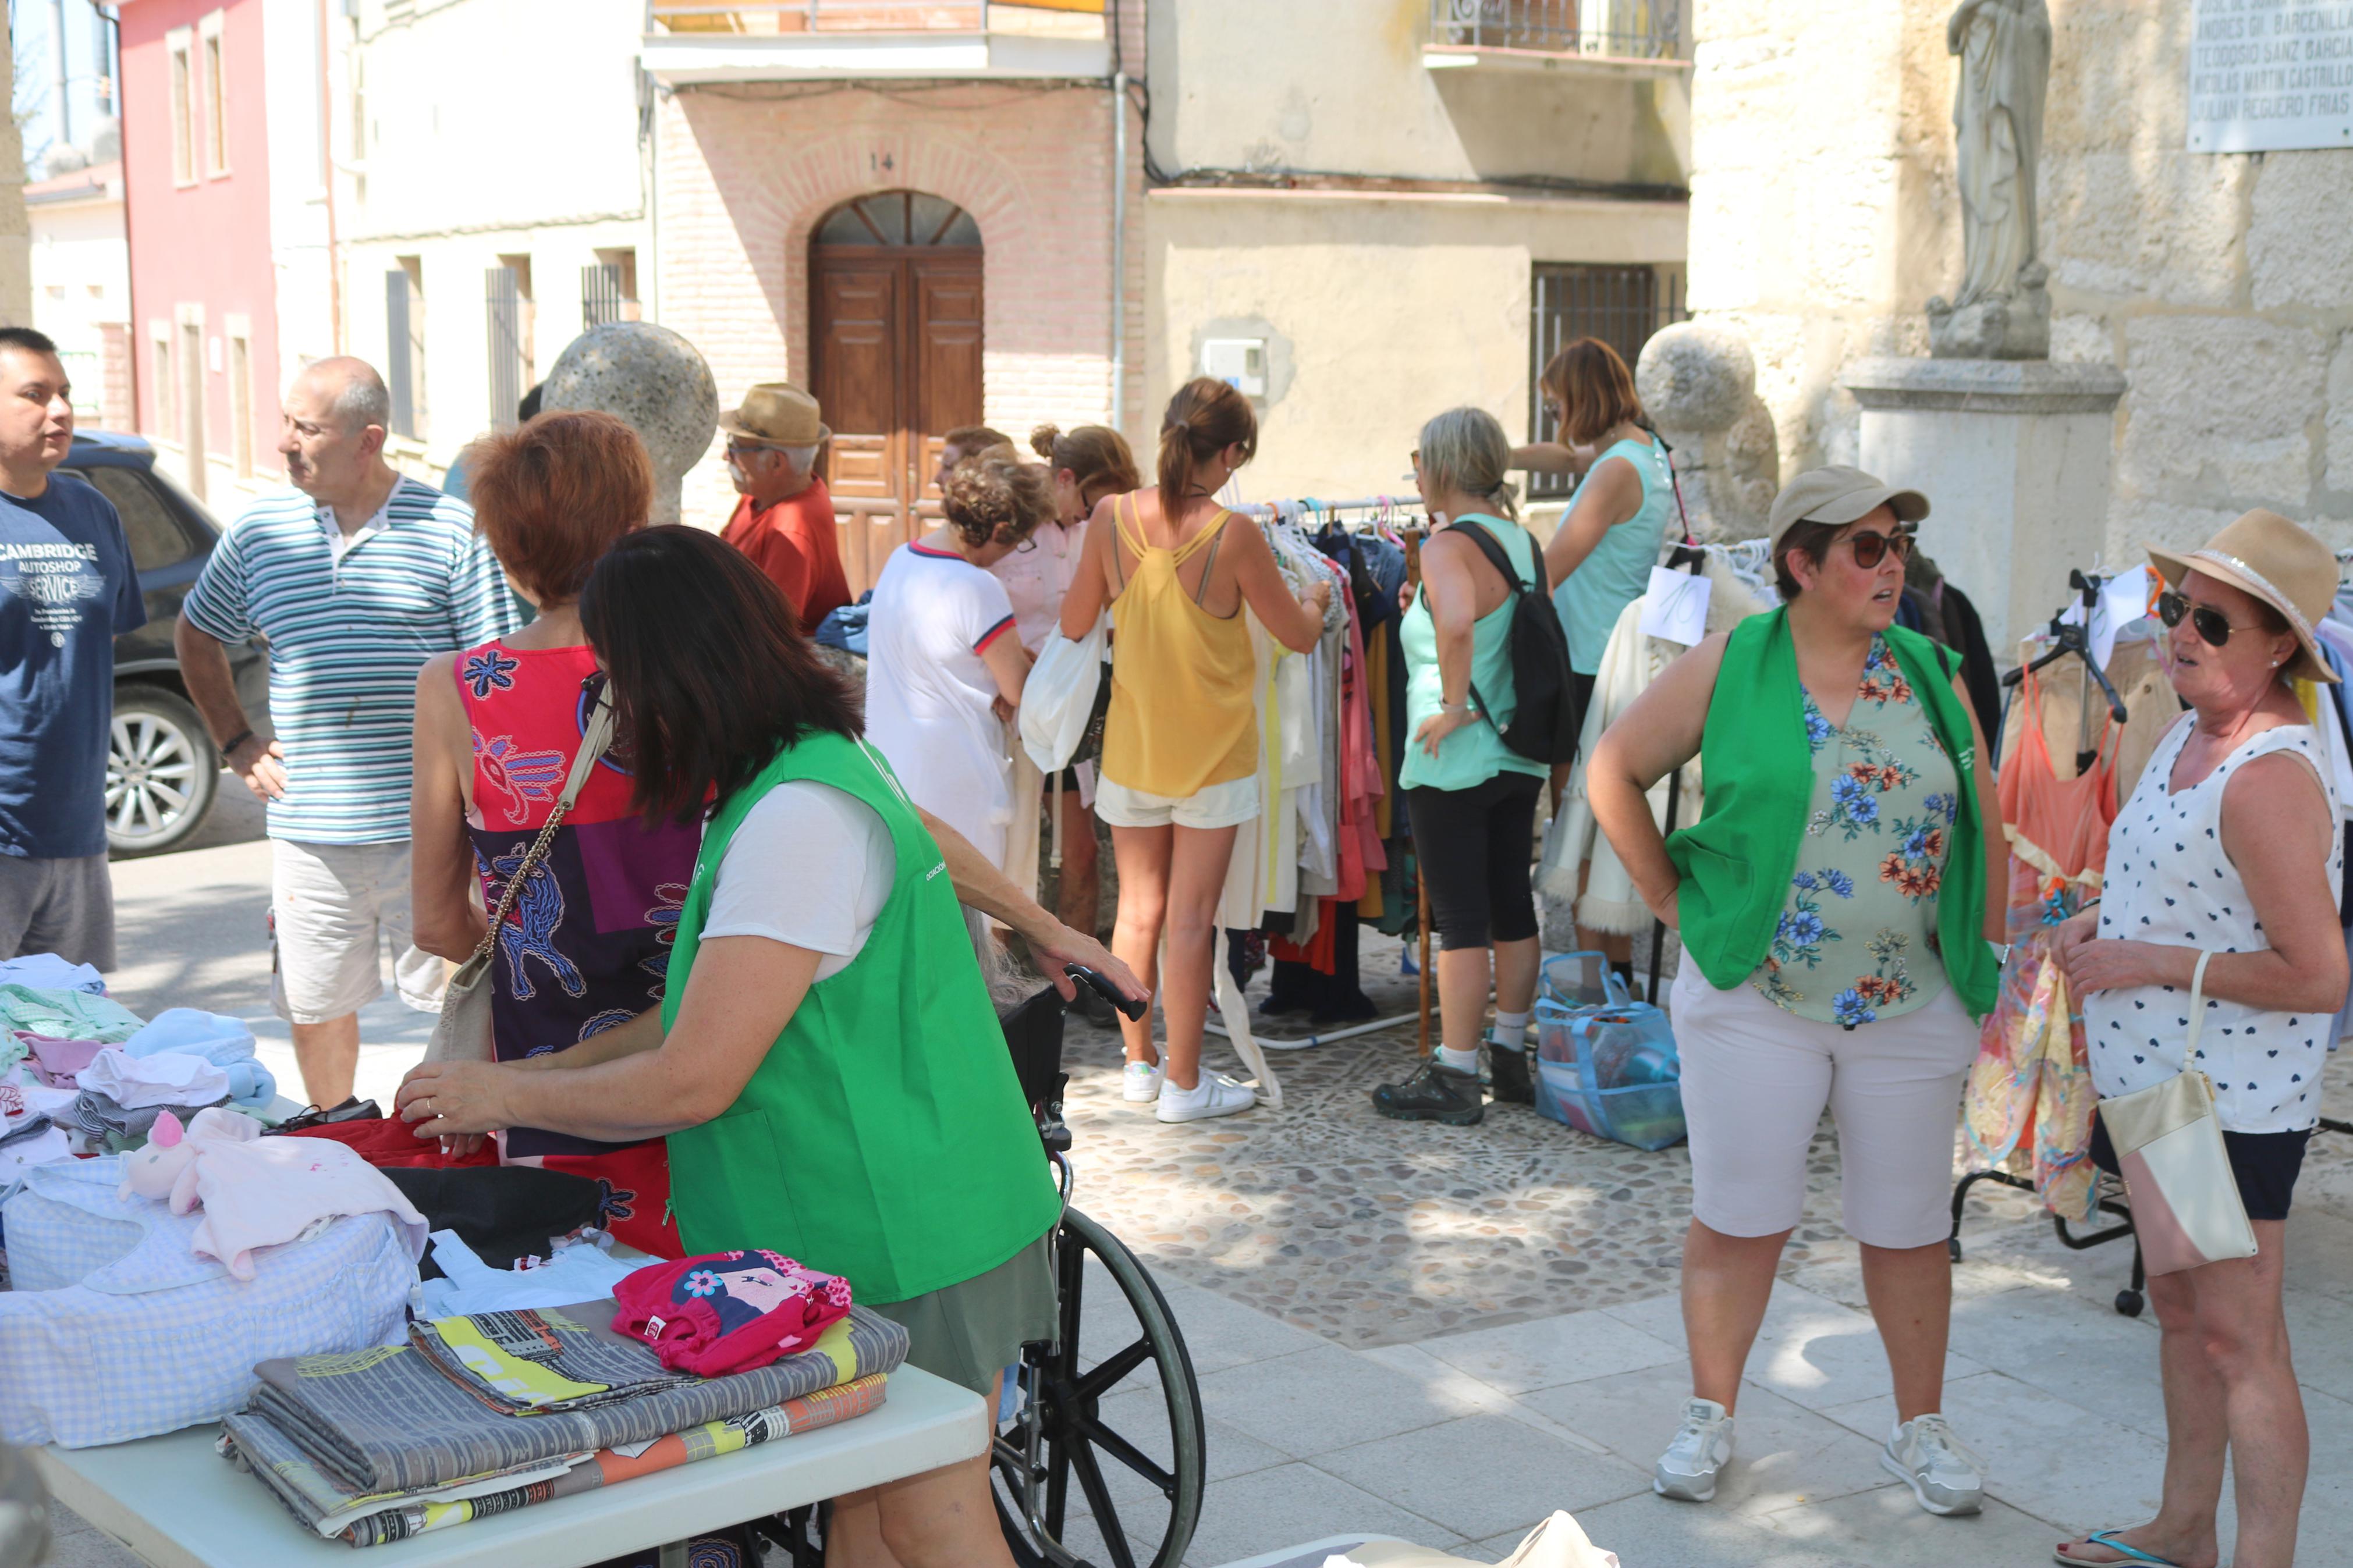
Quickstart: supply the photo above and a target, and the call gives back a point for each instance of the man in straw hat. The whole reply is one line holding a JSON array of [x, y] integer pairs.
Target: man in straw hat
[[784, 520]]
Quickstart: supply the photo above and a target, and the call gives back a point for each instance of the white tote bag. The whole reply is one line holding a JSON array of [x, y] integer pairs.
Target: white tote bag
[[1059, 698]]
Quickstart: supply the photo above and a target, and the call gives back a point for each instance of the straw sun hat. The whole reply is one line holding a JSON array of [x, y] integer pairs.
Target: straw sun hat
[[2264, 554]]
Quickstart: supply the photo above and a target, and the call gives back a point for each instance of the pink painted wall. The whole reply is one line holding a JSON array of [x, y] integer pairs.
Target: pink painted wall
[[207, 242]]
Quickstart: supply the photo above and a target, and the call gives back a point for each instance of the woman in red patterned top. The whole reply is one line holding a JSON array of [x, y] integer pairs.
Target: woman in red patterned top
[[587, 944]]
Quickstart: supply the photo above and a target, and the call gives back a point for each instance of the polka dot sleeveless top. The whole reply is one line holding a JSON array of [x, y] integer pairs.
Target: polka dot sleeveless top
[[2168, 883]]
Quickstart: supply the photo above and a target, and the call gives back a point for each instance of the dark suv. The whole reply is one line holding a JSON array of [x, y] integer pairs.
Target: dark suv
[[161, 771]]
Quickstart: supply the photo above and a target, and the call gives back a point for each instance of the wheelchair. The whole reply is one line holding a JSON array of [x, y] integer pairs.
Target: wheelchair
[[1120, 1417]]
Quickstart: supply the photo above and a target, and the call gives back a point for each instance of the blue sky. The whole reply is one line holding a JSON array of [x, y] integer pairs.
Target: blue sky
[[32, 23]]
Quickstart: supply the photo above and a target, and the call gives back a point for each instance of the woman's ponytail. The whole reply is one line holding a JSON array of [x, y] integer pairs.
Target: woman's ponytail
[[1204, 418]]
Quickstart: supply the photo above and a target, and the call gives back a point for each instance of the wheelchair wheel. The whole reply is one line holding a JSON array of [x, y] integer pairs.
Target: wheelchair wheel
[[1120, 1415]]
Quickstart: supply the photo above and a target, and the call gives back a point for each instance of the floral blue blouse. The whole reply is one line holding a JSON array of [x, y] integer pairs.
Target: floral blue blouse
[[1857, 938]]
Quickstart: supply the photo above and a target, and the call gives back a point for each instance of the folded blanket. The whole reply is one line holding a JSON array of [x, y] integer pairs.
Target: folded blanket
[[102, 1116], [56, 1061], [47, 972], [68, 1014], [392, 1419], [165, 1079], [216, 1038], [370, 1520]]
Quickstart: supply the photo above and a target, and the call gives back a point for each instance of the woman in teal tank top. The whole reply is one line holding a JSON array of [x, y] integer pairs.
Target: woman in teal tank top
[[825, 1063], [1472, 799]]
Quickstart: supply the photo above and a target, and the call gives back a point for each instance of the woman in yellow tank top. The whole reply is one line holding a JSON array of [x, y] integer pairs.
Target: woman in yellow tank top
[[1180, 743]]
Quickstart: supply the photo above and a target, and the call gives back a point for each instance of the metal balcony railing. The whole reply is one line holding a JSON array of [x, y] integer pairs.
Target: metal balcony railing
[[1619, 29]]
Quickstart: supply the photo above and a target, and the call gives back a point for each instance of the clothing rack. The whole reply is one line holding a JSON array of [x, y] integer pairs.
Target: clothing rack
[[2075, 638]]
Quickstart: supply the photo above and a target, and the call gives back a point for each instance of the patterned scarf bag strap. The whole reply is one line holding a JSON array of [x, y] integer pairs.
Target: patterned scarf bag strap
[[463, 1032]]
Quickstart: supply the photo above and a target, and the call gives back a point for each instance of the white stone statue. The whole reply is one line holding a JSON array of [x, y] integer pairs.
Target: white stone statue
[[2002, 310]]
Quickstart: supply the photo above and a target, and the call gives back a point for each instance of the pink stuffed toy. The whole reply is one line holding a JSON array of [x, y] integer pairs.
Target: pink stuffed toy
[[156, 1171], [258, 1192]]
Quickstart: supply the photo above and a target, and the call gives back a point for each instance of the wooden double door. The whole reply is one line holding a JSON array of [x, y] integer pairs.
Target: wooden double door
[[896, 335]]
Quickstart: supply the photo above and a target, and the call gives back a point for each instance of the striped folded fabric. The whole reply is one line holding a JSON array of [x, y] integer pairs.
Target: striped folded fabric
[[397, 1419], [336, 1513]]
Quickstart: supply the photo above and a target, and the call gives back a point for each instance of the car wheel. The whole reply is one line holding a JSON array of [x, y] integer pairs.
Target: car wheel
[[161, 773]]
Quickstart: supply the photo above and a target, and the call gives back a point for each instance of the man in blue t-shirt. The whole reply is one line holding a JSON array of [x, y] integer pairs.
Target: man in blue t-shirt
[[67, 590]]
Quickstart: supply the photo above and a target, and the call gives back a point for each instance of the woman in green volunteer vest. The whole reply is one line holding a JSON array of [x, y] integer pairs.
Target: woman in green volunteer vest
[[826, 1062], [1836, 928]]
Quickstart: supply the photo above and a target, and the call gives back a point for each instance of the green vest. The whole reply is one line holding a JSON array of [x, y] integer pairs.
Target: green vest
[[883, 1137], [1737, 859]]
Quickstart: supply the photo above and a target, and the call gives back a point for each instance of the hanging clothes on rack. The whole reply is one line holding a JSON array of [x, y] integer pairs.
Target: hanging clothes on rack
[[2029, 1102], [1629, 662], [1947, 615], [2137, 670]]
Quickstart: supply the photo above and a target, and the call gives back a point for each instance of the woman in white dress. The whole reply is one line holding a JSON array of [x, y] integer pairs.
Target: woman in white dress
[[2231, 845]]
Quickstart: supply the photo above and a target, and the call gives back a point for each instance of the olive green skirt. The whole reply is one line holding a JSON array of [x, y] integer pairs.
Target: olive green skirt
[[969, 1331]]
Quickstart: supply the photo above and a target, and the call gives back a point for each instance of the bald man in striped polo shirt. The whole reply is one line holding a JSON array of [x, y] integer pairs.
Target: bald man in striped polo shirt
[[357, 575]]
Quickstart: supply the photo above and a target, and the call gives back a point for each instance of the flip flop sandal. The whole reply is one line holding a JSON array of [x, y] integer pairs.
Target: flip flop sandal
[[2107, 1539]]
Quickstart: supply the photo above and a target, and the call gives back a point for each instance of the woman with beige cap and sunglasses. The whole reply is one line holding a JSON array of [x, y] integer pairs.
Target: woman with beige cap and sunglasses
[[1832, 904], [2232, 846]]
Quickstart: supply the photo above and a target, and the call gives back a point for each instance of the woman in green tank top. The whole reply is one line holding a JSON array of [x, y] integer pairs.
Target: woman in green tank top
[[826, 1062], [1598, 560]]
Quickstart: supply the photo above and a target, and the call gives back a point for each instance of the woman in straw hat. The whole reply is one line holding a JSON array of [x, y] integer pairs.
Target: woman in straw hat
[[2231, 845], [1831, 900]]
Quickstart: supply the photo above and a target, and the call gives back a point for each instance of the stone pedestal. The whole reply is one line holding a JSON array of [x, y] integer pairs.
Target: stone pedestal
[[2014, 458]]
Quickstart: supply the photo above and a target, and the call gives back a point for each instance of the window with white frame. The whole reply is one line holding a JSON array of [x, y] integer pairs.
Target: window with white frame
[[213, 89], [179, 43]]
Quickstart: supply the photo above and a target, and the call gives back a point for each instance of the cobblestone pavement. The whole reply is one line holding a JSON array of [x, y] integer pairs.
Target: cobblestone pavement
[[1374, 1232]]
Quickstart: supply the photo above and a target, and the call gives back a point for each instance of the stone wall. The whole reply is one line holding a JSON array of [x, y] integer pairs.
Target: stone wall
[[2221, 285]]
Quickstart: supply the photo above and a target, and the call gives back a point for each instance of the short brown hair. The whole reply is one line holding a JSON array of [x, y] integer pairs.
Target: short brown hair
[[1810, 539], [972, 441], [996, 497], [1094, 454], [553, 495], [1594, 388]]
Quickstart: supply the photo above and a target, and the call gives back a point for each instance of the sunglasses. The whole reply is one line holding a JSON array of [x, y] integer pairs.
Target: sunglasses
[[1871, 549], [2204, 620]]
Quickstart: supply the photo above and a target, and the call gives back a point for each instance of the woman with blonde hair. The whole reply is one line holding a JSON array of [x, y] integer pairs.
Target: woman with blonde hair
[[1472, 798], [1180, 743], [1087, 464], [944, 669]]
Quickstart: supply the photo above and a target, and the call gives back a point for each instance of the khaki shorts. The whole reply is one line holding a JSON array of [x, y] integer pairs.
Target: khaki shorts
[[335, 909], [1228, 804]]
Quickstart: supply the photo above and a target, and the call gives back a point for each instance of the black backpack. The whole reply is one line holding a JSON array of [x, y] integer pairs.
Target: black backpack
[[1543, 724]]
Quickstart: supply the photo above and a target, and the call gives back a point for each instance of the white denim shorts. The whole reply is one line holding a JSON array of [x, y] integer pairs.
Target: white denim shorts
[[1228, 804], [335, 909], [1756, 1080]]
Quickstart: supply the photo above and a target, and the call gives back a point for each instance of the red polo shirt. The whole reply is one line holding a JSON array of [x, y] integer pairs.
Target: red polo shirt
[[793, 542]]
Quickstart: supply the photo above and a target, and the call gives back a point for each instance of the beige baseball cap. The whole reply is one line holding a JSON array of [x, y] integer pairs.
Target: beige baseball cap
[[1839, 496]]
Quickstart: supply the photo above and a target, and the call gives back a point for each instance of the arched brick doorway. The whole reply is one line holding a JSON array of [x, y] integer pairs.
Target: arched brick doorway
[[895, 345]]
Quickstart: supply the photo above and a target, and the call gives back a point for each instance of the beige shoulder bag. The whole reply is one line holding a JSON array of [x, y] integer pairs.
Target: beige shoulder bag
[[2186, 1207], [463, 1034]]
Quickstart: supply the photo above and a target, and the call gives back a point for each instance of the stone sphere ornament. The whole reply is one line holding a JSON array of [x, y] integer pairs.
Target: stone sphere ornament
[[1695, 376], [655, 382]]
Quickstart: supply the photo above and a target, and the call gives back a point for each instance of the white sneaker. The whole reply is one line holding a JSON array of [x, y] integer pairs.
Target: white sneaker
[[1702, 1446], [1215, 1095], [1942, 1471], [1139, 1082]]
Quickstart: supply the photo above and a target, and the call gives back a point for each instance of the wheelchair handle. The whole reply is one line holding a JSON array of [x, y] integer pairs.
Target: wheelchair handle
[[1133, 1009]]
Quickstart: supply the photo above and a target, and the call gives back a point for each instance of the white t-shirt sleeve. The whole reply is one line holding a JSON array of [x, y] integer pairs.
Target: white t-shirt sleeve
[[810, 865], [987, 610]]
